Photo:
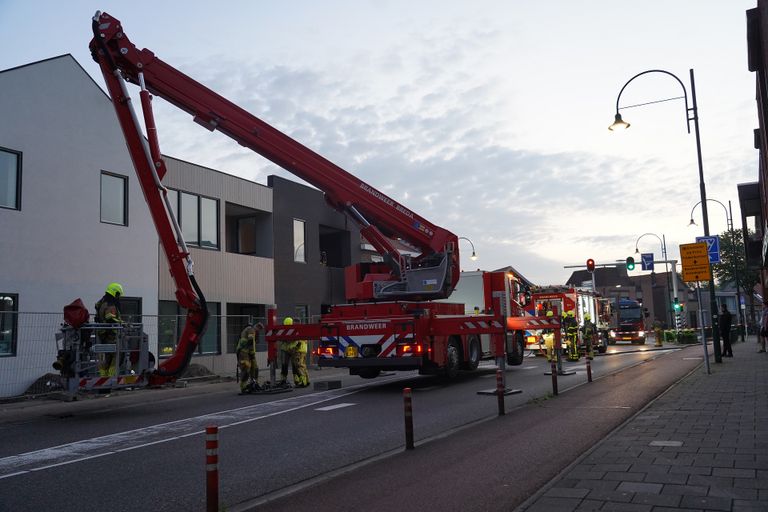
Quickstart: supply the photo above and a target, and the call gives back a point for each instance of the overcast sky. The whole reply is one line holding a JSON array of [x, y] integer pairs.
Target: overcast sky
[[488, 118]]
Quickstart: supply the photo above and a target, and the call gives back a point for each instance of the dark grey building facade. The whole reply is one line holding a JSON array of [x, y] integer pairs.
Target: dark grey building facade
[[313, 243]]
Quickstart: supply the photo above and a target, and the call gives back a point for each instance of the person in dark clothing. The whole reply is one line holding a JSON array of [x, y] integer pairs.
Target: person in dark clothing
[[725, 330]]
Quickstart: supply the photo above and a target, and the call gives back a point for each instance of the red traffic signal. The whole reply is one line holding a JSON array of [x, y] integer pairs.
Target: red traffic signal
[[590, 265]]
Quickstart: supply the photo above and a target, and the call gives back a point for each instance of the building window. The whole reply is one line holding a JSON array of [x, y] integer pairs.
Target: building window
[[10, 179], [9, 311], [171, 320], [209, 222], [114, 199], [198, 217], [299, 241], [301, 313]]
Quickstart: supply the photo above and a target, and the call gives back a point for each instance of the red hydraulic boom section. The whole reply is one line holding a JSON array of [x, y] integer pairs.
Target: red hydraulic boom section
[[150, 169], [430, 275]]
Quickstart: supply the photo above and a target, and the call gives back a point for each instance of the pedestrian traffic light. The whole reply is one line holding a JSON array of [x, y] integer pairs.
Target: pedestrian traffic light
[[630, 263], [590, 265], [677, 306]]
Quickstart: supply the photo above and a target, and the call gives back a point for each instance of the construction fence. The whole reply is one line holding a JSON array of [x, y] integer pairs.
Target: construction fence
[[28, 345]]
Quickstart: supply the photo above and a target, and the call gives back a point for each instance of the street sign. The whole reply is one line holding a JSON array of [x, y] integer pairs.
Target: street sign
[[713, 247], [695, 262], [646, 260]]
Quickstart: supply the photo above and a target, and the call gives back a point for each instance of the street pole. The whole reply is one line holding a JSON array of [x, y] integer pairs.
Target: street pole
[[705, 215]]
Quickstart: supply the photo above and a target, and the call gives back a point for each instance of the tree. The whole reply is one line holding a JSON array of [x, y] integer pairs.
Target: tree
[[732, 268]]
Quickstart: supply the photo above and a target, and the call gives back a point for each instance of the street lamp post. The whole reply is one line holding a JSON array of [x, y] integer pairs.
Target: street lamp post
[[663, 242], [691, 114], [474, 256]]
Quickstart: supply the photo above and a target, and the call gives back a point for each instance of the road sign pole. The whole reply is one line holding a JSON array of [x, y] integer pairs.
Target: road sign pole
[[701, 326]]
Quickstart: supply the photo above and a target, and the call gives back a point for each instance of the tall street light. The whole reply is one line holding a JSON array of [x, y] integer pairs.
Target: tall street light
[[663, 242], [691, 114], [474, 256], [728, 216]]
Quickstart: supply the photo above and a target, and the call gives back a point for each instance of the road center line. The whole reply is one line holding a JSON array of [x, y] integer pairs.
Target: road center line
[[333, 407]]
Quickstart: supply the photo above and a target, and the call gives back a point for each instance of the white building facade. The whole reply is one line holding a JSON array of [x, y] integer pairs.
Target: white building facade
[[73, 219], [72, 215]]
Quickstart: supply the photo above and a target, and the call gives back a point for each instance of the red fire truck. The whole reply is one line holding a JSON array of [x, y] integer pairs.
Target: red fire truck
[[393, 319], [567, 298]]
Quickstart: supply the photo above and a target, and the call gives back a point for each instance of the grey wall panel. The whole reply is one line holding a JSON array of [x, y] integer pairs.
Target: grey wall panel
[[227, 277]]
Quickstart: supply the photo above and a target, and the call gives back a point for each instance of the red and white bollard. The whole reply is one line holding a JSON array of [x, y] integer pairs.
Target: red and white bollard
[[500, 391], [408, 407], [212, 469]]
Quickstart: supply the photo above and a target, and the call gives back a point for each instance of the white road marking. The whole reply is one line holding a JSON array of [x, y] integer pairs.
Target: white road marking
[[96, 447], [333, 407]]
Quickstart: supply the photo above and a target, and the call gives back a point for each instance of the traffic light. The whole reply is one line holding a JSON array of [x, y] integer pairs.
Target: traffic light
[[630, 263], [677, 306], [590, 265]]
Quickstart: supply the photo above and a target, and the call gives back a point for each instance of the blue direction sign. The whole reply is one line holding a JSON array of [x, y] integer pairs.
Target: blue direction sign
[[646, 260], [713, 247]]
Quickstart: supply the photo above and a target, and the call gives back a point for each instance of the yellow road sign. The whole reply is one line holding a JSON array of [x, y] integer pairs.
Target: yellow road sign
[[695, 262]]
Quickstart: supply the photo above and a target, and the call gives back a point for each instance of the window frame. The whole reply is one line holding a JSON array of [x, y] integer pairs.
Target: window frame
[[178, 211], [303, 241], [180, 315], [19, 156], [125, 198], [13, 352]]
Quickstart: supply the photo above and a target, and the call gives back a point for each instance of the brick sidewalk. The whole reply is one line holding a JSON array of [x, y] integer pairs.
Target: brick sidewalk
[[703, 445]]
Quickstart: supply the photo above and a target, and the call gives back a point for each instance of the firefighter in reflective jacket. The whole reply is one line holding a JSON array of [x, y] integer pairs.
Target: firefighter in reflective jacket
[[572, 336], [299, 362], [246, 358], [108, 312], [549, 339], [588, 333]]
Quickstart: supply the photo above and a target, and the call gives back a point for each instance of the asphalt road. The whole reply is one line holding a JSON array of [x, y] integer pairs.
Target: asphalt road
[[145, 449]]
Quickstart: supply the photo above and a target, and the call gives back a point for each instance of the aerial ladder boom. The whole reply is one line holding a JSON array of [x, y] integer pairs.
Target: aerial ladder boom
[[431, 274], [150, 169]]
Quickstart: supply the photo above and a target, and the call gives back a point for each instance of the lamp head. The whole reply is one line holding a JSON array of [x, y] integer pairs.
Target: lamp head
[[692, 223], [474, 256], [637, 251], [618, 124]]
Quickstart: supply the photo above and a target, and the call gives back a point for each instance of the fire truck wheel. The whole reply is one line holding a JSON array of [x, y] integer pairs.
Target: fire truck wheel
[[475, 353], [515, 357], [452, 358], [368, 373]]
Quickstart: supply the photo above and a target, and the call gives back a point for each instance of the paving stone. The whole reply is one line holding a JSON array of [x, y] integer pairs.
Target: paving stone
[[717, 481], [625, 476], [685, 490], [690, 470], [614, 496], [736, 473], [706, 502], [666, 478], [626, 507], [639, 487], [597, 485], [545, 504], [565, 492], [642, 467], [665, 500], [590, 506], [740, 493], [749, 506]]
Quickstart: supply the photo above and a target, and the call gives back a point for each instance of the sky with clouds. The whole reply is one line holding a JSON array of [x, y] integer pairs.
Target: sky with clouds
[[488, 118]]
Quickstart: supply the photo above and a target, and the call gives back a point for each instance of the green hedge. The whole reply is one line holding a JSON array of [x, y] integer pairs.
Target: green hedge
[[687, 336]]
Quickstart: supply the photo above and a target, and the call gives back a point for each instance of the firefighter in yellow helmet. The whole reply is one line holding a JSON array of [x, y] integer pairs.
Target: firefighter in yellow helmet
[[571, 336], [549, 339], [294, 352], [246, 358], [589, 336], [284, 356], [108, 312]]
